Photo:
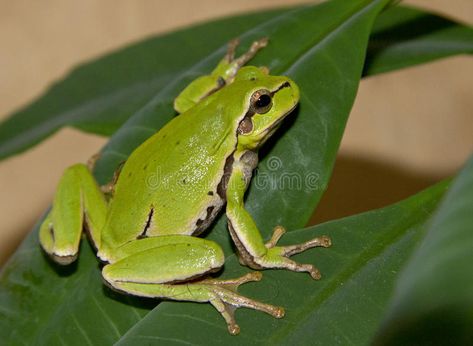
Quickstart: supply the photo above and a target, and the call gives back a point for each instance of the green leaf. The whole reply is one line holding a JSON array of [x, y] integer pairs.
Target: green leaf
[[101, 95], [405, 36], [322, 47], [343, 308], [433, 302]]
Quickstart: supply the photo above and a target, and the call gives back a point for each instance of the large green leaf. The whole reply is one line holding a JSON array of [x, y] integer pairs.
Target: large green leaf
[[433, 304], [322, 47], [99, 96], [404, 36], [344, 308]]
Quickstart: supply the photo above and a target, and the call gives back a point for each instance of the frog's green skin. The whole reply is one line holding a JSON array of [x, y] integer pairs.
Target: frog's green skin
[[172, 187]]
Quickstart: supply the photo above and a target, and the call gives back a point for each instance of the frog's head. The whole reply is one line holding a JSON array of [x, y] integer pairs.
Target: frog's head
[[269, 99]]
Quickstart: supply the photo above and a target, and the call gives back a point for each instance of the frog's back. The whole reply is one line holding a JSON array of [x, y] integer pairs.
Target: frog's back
[[170, 184]]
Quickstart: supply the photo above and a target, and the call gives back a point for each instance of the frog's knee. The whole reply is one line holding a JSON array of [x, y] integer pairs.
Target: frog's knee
[[218, 257]]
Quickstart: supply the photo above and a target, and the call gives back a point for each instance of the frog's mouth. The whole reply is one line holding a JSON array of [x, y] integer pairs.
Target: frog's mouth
[[273, 127]]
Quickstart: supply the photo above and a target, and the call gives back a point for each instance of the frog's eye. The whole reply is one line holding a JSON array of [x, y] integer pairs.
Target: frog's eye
[[261, 101]]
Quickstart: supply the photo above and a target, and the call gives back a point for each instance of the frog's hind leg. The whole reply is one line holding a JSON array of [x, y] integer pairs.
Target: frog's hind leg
[[78, 200], [174, 267]]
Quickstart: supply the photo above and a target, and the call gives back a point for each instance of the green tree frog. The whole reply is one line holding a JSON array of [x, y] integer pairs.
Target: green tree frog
[[172, 187]]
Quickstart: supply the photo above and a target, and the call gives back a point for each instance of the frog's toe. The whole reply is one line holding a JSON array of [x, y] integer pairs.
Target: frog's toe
[[287, 251], [278, 256], [227, 301], [278, 232], [234, 283], [322, 241]]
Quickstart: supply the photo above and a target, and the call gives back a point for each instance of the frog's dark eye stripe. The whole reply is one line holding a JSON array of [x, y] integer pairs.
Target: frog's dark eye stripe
[[261, 101], [283, 85]]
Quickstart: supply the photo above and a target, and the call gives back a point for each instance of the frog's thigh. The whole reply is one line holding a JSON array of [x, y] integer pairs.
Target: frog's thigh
[[161, 260], [155, 267], [78, 198]]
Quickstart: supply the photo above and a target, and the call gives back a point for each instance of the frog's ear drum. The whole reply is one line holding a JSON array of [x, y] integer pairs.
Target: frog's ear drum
[[264, 69], [245, 126]]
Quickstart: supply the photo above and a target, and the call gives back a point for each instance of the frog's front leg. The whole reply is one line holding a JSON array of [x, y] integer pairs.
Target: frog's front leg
[[170, 267], [222, 75], [247, 238], [78, 199]]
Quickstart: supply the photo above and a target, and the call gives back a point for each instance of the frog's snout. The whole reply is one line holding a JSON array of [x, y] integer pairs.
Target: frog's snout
[[295, 91], [288, 92]]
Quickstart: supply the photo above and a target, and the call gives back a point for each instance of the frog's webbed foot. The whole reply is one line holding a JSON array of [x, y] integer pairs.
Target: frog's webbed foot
[[221, 294], [232, 45], [247, 238], [232, 284], [222, 75], [279, 231], [278, 256], [243, 59], [226, 299], [234, 64]]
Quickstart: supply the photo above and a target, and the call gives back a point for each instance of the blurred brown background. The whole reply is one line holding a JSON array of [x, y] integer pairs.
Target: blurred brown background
[[407, 130]]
